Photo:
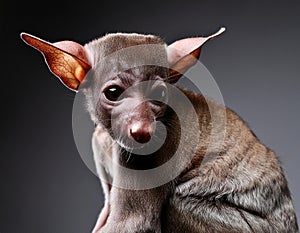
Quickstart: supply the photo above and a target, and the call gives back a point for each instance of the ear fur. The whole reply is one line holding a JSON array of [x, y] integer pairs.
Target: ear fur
[[184, 53], [66, 59]]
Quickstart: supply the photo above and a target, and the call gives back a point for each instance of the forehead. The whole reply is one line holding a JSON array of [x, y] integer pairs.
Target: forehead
[[140, 55], [142, 73], [112, 43]]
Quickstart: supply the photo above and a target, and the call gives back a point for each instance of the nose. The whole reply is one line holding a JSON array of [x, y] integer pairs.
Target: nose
[[140, 132]]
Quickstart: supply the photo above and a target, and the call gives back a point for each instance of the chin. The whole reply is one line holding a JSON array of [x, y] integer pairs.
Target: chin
[[130, 145]]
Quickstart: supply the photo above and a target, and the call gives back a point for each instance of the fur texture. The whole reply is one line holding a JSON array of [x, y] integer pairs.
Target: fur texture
[[228, 181], [242, 189]]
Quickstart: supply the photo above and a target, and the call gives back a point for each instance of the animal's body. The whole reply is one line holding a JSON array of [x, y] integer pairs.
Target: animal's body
[[228, 182]]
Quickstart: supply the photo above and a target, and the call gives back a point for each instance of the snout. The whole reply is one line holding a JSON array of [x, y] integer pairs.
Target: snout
[[141, 132]]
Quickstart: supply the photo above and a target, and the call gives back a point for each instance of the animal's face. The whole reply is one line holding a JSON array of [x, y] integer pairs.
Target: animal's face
[[130, 103], [125, 90]]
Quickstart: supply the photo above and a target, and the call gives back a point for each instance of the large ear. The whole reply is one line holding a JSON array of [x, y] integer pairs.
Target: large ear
[[183, 54], [66, 59]]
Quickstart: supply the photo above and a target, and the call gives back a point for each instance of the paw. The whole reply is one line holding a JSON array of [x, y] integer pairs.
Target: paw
[[102, 137], [101, 141], [103, 150], [102, 219]]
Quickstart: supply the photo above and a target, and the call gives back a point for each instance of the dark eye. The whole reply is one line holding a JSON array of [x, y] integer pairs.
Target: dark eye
[[113, 93], [158, 94]]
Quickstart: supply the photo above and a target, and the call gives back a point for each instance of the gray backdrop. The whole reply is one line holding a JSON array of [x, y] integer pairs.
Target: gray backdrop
[[45, 186]]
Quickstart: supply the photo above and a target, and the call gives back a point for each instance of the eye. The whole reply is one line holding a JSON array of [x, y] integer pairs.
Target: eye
[[158, 94], [113, 93]]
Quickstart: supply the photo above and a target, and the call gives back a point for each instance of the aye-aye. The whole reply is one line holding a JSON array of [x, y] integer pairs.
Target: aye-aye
[[225, 179]]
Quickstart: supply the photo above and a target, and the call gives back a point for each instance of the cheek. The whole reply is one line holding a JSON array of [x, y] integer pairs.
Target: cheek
[[119, 120], [113, 118], [103, 114], [158, 110]]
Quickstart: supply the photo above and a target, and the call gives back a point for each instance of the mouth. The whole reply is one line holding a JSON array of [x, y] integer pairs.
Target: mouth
[[130, 145], [142, 148]]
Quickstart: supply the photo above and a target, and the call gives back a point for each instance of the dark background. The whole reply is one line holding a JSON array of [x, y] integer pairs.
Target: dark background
[[45, 186]]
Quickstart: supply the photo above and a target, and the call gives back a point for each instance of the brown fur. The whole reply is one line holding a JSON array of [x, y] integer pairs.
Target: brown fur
[[230, 183], [242, 189]]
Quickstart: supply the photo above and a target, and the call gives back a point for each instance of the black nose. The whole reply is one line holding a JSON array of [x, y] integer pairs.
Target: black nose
[[140, 133]]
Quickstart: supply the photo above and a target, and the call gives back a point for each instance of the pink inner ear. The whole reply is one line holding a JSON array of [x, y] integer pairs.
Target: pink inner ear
[[183, 47], [180, 48], [74, 49]]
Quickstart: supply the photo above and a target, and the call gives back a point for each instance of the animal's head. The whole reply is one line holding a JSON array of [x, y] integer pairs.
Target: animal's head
[[124, 77]]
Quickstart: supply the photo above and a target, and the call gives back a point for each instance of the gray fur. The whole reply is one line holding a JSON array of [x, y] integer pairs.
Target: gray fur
[[230, 185], [242, 190]]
